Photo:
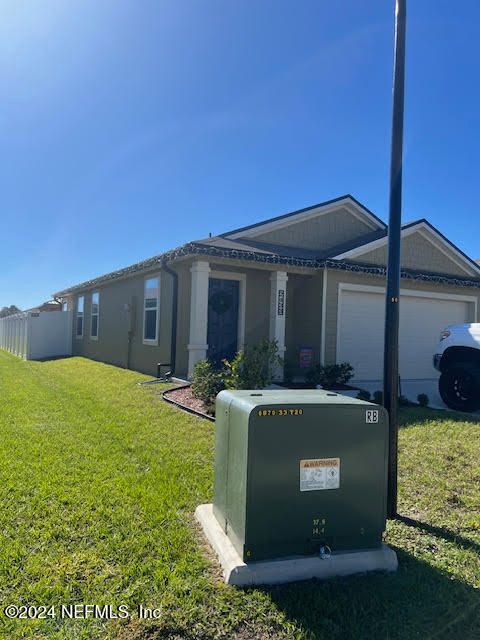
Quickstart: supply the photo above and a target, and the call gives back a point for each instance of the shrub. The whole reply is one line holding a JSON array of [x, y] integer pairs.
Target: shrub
[[363, 394], [378, 397], [330, 375], [403, 401], [423, 400], [314, 374], [207, 383], [288, 371], [253, 368]]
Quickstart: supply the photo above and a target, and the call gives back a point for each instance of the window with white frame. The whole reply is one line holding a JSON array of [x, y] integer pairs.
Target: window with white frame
[[151, 305], [94, 315], [79, 317]]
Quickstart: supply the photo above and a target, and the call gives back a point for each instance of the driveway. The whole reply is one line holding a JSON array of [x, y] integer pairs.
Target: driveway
[[410, 389]]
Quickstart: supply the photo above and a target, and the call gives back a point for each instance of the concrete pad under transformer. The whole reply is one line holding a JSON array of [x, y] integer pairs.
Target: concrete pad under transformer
[[237, 572]]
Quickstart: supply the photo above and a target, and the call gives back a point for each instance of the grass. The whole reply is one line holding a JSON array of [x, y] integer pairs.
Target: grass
[[98, 482]]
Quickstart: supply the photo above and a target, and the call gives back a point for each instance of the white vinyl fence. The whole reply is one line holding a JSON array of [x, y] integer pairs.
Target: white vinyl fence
[[37, 335]]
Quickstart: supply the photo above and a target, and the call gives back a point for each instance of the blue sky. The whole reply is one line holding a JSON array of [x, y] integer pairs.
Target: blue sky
[[128, 128]]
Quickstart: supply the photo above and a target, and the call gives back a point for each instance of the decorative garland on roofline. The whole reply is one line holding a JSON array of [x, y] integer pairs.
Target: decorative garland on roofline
[[197, 249], [405, 274], [191, 249]]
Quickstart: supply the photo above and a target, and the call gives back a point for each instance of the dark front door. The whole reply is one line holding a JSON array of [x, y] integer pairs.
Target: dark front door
[[222, 330]]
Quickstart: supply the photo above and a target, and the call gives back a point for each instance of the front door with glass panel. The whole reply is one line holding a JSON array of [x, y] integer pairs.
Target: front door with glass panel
[[222, 334]]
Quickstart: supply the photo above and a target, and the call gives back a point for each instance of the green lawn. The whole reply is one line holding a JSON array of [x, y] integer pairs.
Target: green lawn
[[99, 479]]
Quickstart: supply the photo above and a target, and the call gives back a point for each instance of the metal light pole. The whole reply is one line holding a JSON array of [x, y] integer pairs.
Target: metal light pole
[[390, 366]]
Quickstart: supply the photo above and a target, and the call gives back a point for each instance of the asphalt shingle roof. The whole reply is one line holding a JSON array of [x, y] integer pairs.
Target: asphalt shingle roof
[[255, 251]]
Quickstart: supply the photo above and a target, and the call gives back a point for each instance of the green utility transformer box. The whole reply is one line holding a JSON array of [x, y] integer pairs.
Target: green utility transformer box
[[296, 471]]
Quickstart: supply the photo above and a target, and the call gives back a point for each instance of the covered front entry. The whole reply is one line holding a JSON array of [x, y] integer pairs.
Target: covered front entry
[[222, 329], [219, 325]]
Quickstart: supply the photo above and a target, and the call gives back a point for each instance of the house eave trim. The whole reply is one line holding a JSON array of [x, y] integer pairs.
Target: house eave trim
[[198, 250], [405, 274], [428, 232]]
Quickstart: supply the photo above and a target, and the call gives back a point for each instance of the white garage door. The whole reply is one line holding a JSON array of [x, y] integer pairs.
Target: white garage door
[[361, 328]]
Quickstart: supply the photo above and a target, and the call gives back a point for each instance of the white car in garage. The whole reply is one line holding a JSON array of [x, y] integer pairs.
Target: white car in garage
[[458, 360]]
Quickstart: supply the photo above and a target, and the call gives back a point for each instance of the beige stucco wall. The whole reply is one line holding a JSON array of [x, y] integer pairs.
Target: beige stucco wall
[[417, 254], [335, 277], [319, 233], [257, 307], [115, 321], [303, 313], [303, 321], [183, 319]]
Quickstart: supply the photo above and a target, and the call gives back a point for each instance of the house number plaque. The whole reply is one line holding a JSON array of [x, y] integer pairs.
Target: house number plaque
[[281, 302]]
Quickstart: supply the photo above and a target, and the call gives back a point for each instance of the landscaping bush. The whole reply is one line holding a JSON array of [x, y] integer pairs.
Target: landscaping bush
[[314, 374], [207, 382], [423, 400], [288, 371], [250, 369], [330, 375], [363, 394], [253, 368], [403, 401]]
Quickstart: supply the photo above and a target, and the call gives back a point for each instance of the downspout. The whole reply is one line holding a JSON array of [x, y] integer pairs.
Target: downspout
[[131, 309], [173, 343]]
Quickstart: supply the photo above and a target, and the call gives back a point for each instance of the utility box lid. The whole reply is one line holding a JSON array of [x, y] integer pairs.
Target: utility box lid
[[253, 399], [299, 470]]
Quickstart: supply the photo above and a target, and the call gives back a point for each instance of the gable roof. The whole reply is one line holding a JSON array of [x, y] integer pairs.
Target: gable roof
[[250, 244], [266, 248], [348, 201], [229, 245], [425, 228], [198, 249]]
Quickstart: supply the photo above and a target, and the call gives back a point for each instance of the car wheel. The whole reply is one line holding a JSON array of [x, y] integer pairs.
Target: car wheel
[[460, 388]]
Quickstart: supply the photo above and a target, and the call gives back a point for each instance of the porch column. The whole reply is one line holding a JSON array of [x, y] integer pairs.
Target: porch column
[[278, 309], [197, 346]]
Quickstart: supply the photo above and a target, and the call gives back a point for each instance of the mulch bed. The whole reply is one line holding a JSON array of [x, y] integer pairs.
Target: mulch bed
[[185, 399]]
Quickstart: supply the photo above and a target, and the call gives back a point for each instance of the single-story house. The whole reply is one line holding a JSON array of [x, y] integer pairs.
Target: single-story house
[[313, 280], [49, 305]]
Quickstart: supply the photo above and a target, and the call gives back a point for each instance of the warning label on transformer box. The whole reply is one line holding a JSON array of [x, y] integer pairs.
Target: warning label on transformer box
[[320, 473]]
